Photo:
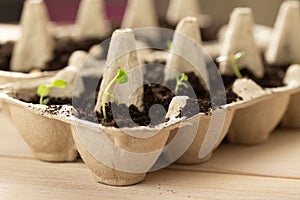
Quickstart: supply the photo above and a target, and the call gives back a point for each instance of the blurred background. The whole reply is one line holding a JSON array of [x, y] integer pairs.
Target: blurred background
[[65, 10]]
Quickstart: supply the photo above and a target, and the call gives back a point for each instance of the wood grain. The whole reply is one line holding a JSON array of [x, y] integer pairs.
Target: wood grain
[[279, 157], [32, 179]]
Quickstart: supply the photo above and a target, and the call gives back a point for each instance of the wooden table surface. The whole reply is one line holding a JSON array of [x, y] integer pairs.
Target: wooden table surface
[[268, 171]]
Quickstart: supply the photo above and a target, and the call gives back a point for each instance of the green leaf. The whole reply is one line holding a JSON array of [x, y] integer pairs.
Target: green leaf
[[43, 90], [122, 76], [45, 101], [184, 77], [59, 84]]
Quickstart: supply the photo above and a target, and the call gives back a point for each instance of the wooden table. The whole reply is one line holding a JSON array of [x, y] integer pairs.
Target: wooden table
[[268, 171]]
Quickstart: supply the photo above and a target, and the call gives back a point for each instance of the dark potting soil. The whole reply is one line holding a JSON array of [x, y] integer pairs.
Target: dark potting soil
[[195, 106], [157, 94], [205, 100], [120, 115], [63, 49], [52, 101], [5, 55], [273, 77], [205, 103], [55, 109], [154, 93], [54, 105]]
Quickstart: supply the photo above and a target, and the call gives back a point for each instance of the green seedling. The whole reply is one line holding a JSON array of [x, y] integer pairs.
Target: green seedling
[[169, 44], [120, 78], [180, 82], [44, 90], [233, 61]]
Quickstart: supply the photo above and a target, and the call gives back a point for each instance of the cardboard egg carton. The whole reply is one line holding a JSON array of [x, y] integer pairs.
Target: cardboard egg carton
[[124, 156]]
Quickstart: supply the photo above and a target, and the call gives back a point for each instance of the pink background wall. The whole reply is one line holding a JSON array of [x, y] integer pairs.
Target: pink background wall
[[62, 10], [65, 10]]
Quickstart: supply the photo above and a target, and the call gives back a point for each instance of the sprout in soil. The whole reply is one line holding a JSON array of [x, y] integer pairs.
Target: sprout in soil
[[44, 90], [180, 82], [120, 78], [233, 61]]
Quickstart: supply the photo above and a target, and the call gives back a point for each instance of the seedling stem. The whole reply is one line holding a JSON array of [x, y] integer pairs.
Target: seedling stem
[[120, 78], [180, 82], [233, 62]]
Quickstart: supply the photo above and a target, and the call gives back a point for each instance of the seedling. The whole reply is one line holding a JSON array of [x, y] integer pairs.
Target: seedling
[[180, 82], [233, 61], [169, 44], [44, 90], [120, 78]]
